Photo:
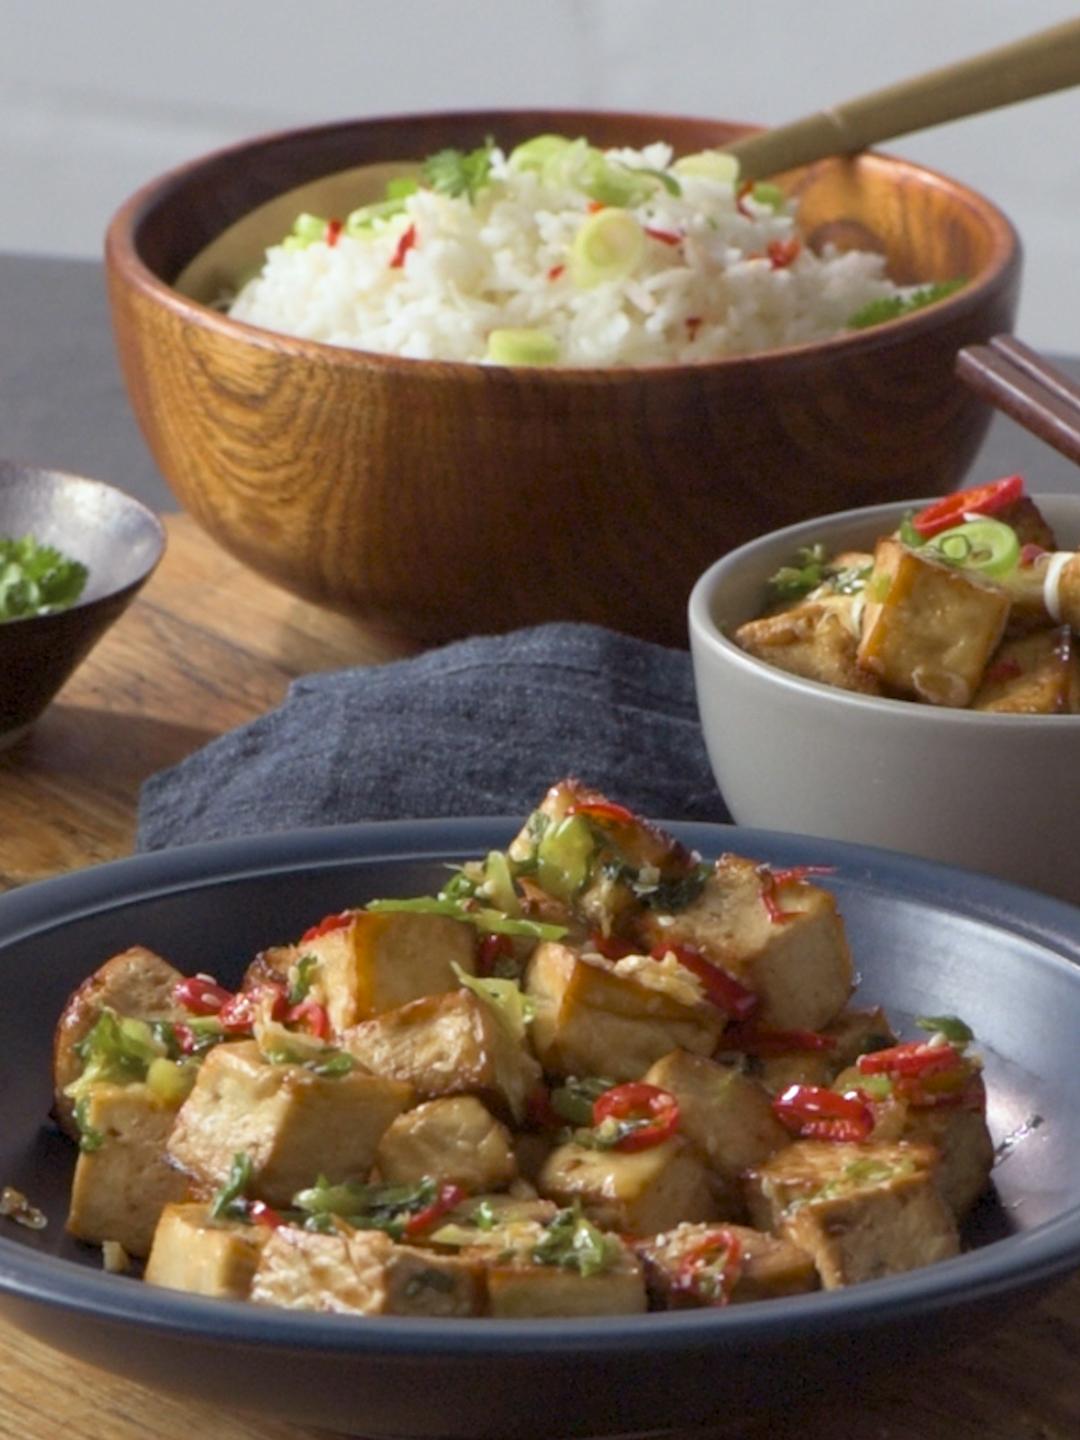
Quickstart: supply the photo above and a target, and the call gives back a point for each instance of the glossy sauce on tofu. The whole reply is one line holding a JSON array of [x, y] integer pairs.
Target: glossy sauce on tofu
[[594, 1074]]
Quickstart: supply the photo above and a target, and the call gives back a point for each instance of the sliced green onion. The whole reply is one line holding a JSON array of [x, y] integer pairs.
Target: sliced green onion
[[988, 546], [609, 246], [709, 165], [522, 347], [538, 153], [765, 193], [306, 230], [401, 186], [498, 884], [955, 1030], [361, 221]]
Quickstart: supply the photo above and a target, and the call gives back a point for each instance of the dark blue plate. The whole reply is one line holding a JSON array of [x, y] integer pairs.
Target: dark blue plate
[[925, 939]]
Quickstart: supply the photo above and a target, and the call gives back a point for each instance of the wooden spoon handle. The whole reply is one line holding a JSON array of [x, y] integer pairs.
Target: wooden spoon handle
[[1037, 65]]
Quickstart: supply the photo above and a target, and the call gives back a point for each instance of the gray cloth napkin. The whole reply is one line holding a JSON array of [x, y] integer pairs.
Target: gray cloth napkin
[[479, 727]]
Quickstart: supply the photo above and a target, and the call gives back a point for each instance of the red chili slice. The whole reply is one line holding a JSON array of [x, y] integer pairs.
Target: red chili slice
[[333, 231], [199, 996], [490, 950], [238, 1016], [816, 1113], [916, 1058], [979, 500], [709, 1272], [722, 989], [612, 947], [311, 1016], [635, 1101], [783, 253], [666, 237], [259, 1213], [762, 1040], [603, 810], [328, 923], [772, 879], [404, 245], [448, 1196], [556, 271]]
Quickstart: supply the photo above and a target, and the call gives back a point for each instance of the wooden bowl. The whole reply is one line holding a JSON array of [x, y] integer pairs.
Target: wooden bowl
[[442, 499]]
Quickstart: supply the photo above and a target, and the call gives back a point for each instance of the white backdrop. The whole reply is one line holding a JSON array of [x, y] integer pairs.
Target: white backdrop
[[97, 96]]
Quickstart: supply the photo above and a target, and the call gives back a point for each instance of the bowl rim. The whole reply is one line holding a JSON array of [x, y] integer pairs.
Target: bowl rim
[[1047, 1252], [705, 632], [13, 469], [123, 259]]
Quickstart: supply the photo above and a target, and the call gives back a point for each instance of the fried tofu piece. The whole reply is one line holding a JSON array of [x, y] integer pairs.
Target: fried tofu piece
[[965, 1150], [1036, 674], [851, 1034], [456, 1139], [519, 1289], [600, 1017], [194, 1252], [121, 1187], [767, 1267], [364, 1272], [292, 1123], [817, 639], [800, 967], [449, 1045], [382, 960], [929, 628], [635, 1192], [862, 1211], [136, 983], [726, 1114], [574, 841]]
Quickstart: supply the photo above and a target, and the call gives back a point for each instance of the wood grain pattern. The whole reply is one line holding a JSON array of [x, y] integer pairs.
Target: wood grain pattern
[[446, 499], [207, 646]]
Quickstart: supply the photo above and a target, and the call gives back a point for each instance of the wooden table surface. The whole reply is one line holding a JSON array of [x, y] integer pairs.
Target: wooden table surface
[[207, 647]]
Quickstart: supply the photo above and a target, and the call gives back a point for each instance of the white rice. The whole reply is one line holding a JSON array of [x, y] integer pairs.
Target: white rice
[[499, 261]]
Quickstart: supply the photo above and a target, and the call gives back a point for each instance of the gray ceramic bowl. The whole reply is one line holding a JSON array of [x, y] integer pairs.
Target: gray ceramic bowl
[[928, 940], [119, 541], [996, 793]]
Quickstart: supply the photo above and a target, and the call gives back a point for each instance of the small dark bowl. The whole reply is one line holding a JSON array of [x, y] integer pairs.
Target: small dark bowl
[[119, 541], [927, 940]]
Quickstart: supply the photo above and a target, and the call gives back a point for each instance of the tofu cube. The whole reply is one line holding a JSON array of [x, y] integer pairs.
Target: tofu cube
[[634, 1192], [964, 1146], [726, 1114], [364, 1272], [136, 983], [817, 639], [799, 967], [929, 628], [767, 1267], [1037, 674], [518, 1289], [382, 960], [121, 1188], [448, 1045], [192, 1251], [455, 1139], [593, 1020], [862, 1211], [292, 1123]]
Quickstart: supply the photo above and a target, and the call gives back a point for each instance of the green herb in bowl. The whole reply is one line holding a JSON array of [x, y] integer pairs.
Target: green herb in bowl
[[36, 579]]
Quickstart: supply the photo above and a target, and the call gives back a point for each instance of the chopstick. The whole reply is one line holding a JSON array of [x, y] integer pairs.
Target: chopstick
[[1026, 387]]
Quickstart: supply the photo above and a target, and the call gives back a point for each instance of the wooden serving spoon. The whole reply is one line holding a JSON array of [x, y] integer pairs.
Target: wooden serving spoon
[[1037, 65]]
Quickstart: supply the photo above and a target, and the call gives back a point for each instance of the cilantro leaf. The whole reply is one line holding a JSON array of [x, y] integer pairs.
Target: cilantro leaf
[[459, 172], [889, 307], [36, 579], [805, 573]]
